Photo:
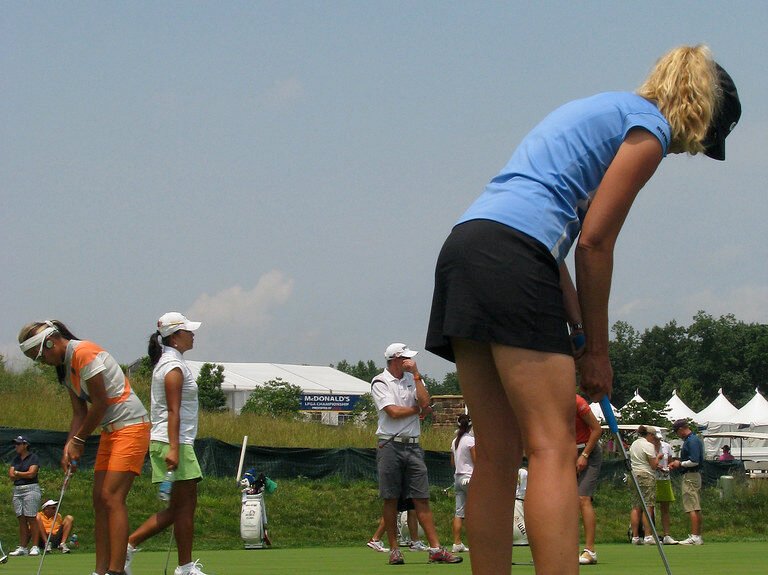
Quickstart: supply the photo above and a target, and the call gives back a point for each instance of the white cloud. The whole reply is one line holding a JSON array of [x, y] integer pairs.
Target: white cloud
[[235, 306]]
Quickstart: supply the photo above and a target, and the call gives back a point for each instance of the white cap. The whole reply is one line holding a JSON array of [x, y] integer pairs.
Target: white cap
[[173, 321], [49, 503], [398, 350]]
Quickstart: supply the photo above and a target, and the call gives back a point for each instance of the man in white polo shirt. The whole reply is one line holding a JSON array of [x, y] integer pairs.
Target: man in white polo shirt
[[401, 399]]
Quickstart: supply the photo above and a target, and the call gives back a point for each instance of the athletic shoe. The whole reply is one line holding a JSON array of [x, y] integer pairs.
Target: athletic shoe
[[377, 545], [459, 548], [48, 548], [129, 553], [195, 568], [637, 541], [63, 548], [19, 551], [418, 546], [588, 557], [669, 540], [34, 551], [649, 540], [396, 557], [692, 540], [443, 556]]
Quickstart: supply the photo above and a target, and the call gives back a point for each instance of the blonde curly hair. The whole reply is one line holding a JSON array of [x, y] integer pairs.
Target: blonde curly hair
[[684, 85]]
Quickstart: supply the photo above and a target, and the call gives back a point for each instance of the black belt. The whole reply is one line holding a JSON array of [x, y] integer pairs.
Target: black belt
[[691, 469]]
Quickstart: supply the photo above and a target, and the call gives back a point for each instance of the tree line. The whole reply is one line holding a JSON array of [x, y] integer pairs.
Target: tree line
[[710, 354]]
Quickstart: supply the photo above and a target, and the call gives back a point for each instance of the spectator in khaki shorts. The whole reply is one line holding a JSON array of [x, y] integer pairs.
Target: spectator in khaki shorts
[[690, 462], [644, 459]]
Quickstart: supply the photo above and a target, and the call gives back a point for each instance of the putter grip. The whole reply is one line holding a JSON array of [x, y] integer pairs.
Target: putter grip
[[605, 405]]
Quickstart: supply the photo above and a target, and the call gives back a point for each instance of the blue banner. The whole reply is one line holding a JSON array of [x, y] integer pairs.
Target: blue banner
[[328, 402]]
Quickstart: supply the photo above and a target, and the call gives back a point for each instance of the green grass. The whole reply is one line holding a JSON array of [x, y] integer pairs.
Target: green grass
[[615, 559], [326, 523]]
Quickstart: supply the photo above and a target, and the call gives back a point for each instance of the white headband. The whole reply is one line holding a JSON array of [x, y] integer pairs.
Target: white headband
[[38, 339]]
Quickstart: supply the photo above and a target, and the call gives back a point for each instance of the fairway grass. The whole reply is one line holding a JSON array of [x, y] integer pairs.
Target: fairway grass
[[615, 559]]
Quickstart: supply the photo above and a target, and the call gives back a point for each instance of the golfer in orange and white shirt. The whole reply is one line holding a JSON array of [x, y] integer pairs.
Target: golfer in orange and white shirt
[[101, 396]]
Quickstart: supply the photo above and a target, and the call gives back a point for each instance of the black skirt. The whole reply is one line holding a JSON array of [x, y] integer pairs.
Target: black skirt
[[495, 284]]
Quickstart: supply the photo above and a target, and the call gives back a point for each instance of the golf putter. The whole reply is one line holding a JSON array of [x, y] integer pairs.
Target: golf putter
[[605, 406], [168, 555], [3, 556], [70, 471]]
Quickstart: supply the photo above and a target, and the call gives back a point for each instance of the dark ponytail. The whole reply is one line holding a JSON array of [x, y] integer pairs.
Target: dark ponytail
[[465, 424], [154, 348]]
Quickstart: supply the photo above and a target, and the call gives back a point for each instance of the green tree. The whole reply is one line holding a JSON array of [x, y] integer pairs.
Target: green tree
[[276, 398], [648, 413], [449, 385], [361, 370], [210, 395], [365, 411]]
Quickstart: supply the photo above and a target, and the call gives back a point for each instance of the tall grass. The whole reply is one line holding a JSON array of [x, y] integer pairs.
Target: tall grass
[[33, 399]]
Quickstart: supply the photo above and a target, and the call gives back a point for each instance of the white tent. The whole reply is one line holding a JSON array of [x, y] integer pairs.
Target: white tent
[[325, 390], [678, 409], [719, 411], [635, 399], [755, 412]]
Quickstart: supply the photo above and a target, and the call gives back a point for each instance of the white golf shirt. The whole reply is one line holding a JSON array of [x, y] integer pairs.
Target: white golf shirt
[[386, 390], [170, 360]]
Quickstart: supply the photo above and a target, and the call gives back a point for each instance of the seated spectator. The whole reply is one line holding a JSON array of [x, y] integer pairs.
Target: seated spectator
[[726, 456], [58, 528]]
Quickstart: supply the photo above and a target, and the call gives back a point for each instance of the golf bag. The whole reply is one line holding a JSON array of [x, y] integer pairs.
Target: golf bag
[[253, 521], [253, 512], [403, 533]]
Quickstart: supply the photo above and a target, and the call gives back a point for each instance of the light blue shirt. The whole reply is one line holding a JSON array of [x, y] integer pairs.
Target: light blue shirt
[[545, 189]]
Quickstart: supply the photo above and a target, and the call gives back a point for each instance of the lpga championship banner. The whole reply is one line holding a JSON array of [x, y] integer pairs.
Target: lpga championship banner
[[328, 402]]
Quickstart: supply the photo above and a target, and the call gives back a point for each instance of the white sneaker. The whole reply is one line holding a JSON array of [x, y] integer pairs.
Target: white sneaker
[[649, 540], [34, 551], [63, 548], [692, 540], [377, 545], [19, 551], [459, 548], [668, 540], [129, 553], [418, 546], [48, 548], [588, 557], [190, 569], [637, 541]]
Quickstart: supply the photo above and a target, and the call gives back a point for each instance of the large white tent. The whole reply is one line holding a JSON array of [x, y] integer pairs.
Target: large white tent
[[325, 390], [755, 411], [719, 411], [678, 409]]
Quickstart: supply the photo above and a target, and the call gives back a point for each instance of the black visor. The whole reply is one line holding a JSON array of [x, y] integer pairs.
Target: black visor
[[725, 119]]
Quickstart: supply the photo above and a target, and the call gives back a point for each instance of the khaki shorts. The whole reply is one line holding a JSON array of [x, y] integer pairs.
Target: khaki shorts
[[647, 488], [691, 491], [188, 467], [124, 449]]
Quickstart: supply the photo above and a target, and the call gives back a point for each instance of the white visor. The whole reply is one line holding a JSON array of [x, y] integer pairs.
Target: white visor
[[37, 340]]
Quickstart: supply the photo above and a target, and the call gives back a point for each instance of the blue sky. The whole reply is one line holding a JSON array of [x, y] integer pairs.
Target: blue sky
[[286, 172]]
